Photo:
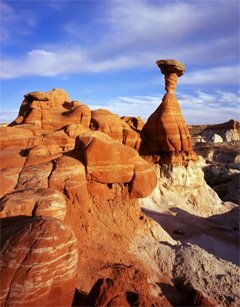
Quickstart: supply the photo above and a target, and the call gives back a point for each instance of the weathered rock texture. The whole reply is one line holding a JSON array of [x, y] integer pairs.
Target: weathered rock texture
[[184, 188], [38, 263], [51, 111], [39, 202], [166, 127], [70, 190]]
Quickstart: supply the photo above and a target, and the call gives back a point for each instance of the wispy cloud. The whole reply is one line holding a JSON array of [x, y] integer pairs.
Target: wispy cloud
[[14, 23], [201, 108], [217, 75], [205, 108], [134, 34]]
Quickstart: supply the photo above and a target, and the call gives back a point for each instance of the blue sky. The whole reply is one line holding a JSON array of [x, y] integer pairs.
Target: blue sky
[[103, 53]]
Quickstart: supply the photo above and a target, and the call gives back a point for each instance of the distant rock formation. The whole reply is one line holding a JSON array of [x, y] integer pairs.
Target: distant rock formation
[[231, 124], [226, 132], [166, 127], [220, 149]]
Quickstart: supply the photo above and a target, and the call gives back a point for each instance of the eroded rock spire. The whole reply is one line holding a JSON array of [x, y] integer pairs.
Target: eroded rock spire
[[166, 127]]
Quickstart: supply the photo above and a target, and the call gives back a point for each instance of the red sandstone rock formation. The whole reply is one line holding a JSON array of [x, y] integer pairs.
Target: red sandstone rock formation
[[134, 122], [108, 123], [108, 161], [231, 124], [69, 177], [38, 263], [61, 169], [91, 180], [42, 202], [166, 127], [15, 136], [51, 111], [103, 292]]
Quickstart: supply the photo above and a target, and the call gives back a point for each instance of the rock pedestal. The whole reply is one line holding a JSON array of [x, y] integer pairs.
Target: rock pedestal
[[166, 127]]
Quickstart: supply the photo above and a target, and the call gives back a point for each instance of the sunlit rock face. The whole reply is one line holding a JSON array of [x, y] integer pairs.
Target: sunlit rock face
[[38, 263], [166, 127], [51, 111]]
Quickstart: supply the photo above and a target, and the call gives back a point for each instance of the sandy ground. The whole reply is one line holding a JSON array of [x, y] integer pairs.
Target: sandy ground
[[218, 234]]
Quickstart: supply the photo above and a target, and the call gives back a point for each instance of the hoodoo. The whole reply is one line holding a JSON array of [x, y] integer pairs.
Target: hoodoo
[[166, 127]]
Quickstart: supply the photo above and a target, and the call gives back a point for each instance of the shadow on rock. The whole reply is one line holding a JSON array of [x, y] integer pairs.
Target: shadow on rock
[[218, 234]]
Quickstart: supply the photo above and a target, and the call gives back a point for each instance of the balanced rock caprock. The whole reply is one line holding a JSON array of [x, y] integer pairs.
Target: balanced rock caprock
[[166, 127]]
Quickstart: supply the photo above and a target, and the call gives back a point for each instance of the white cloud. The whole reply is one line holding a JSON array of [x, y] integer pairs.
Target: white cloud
[[45, 63], [201, 108], [226, 97], [40, 53], [140, 21], [76, 60], [136, 34], [217, 75]]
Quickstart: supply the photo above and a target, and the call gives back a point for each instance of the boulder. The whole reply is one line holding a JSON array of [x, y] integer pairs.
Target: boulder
[[232, 135], [144, 180], [216, 138], [229, 131], [58, 98], [82, 113], [106, 160], [49, 141], [74, 130], [39, 154], [42, 202], [38, 263]]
